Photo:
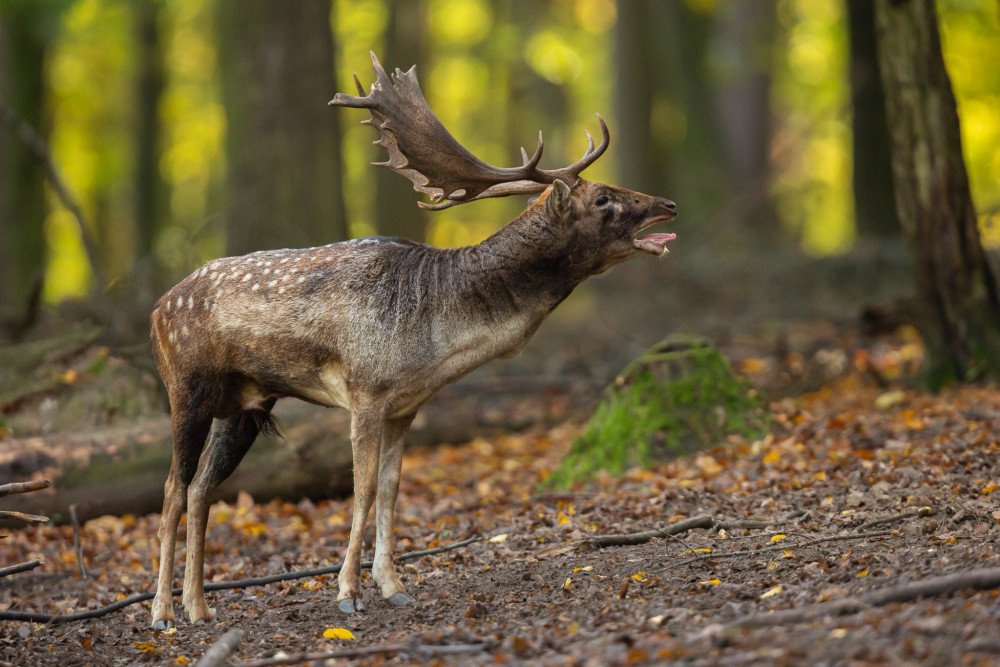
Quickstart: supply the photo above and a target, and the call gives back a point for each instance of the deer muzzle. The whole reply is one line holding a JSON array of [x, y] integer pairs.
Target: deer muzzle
[[662, 210]]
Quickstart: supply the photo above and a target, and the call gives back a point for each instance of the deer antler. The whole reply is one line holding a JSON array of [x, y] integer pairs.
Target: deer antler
[[421, 149]]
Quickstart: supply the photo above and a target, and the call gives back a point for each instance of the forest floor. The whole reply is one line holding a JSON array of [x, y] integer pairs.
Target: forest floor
[[900, 486]]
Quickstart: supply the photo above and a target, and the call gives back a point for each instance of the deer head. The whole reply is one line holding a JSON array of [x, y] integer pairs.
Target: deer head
[[590, 223]]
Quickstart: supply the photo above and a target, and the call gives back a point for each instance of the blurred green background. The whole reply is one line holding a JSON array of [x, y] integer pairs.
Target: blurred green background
[[192, 129]]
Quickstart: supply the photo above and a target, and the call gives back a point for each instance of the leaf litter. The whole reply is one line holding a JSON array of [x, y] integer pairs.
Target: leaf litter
[[888, 492]]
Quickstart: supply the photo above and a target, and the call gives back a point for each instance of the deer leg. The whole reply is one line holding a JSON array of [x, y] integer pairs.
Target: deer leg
[[228, 443], [367, 429], [390, 463], [190, 428]]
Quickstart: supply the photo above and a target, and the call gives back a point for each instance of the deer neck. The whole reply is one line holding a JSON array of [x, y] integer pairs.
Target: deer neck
[[517, 271]]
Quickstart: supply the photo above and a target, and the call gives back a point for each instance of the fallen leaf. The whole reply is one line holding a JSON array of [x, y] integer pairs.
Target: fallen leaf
[[778, 538], [338, 633], [499, 539], [771, 593], [714, 582]]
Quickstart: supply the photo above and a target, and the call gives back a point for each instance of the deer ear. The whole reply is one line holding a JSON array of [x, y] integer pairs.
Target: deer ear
[[557, 203]]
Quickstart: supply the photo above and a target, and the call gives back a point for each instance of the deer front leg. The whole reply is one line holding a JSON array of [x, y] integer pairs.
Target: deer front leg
[[367, 429], [390, 463]]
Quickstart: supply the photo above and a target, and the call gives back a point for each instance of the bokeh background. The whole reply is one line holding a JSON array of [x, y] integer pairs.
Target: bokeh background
[[191, 130]]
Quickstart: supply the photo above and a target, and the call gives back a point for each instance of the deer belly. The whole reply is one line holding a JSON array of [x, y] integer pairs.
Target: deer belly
[[330, 390]]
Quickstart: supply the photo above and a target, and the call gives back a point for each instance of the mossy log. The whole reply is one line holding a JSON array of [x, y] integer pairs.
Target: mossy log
[[121, 469]]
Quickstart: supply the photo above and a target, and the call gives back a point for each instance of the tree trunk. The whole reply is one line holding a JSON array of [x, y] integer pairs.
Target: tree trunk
[[396, 210], [637, 168], [150, 195], [874, 204], [956, 285], [283, 162], [23, 38]]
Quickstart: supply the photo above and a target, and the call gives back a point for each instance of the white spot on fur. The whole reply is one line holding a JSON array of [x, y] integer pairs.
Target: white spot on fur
[[247, 277], [267, 271], [218, 295], [281, 291], [169, 304], [255, 288], [268, 264], [285, 260], [180, 302], [286, 277], [171, 337], [212, 275], [272, 283], [301, 279], [190, 303], [184, 331], [206, 304]]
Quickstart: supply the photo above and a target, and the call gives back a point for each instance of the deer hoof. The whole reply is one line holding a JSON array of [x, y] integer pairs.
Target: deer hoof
[[401, 599], [163, 624], [349, 606]]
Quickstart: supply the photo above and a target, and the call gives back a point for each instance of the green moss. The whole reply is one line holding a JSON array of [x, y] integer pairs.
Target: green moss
[[679, 397]]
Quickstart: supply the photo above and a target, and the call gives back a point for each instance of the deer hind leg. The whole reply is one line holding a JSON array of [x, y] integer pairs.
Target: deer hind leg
[[228, 443], [191, 415], [367, 429], [390, 464]]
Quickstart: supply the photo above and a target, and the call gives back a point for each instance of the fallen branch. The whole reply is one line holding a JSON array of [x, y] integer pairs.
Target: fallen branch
[[428, 650], [219, 652], [36, 617], [20, 567], [923, 511], [984, 579], [699, 521], [30, 518], [782, 547], [23, 487]]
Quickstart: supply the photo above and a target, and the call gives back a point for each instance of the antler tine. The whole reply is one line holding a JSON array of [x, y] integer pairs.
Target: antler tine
[[532, 163], [572, 172]]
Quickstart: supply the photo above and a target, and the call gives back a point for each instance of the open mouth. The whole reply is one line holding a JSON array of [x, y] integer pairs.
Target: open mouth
[[655, 243]]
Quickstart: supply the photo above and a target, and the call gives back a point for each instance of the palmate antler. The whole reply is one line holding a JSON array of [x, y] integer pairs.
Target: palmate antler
[[421, 149]]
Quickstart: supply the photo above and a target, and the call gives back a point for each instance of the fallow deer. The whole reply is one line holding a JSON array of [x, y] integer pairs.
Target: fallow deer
[[374, 325]]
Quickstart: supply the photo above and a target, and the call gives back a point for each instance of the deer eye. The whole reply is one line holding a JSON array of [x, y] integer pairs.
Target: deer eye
[[602, 200]]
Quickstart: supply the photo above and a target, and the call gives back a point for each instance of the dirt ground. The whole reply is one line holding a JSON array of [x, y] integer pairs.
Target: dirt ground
[[532, 592]]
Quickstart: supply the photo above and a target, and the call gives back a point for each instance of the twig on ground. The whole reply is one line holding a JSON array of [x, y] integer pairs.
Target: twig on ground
[[796, 516], [782, 547], [984, 579], [923, 511], [20, 567], [601, 541], [36, 617], [30, 518], [428, 650], [699, 521], [984, 645], [23, 487], [219, 652], [77, 544]]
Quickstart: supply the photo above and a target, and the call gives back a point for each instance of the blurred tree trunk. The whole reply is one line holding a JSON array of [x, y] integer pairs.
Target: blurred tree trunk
[[283, 162], [634, 61], [396, 211], [699, 167], [956, 285], [24, 34], [151, 193], [874, 204], [744, 36]]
